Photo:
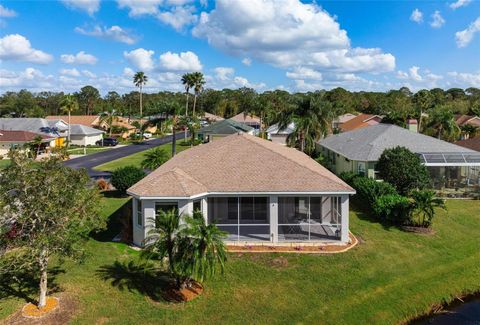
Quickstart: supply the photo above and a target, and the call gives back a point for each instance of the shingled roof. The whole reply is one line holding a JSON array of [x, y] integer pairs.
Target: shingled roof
[[238, 163], [225, 127]]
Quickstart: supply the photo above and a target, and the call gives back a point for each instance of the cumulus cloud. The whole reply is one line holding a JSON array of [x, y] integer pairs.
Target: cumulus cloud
[[465, 79], [70, 72], [140, 7], [29, 78], [437, 20], [416, 16], [304, 73], [79, 58], [89, 74], [414, 78], [247, 61], [287, 34], [178, 17], [460, 3], [89, 6], [140, 58], [114, 33], [224, 73], [184, 61], [7, 13], [15, 47], [465, 36]]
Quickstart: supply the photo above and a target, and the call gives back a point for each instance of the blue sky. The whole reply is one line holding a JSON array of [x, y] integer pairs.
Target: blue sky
[[264, 44]]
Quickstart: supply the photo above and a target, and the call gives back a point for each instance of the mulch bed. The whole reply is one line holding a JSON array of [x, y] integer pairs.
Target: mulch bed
[[59, 313], [319, 249], [184, 295], [419, 230]]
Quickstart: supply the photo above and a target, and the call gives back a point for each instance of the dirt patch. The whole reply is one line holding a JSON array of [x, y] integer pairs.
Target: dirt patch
[[279, 262], [32, 311], [64, 311], [419, 230], [192, 291]]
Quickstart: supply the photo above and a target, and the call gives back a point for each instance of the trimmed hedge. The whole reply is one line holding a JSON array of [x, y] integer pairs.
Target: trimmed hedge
[[369, 189], [125, 177], [393, 208]]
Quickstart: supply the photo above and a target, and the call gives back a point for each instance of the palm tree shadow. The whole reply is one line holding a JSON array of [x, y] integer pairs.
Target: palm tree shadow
[[141, 277], [24, 284]]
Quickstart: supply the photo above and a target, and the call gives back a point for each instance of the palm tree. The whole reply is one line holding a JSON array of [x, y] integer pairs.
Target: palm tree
[[174, 110], [109, 117], [424, 204], [36, 144], [198, 81], [442, 122], [140, 79], [187, 82], [154, 158], [68, 105], [191, 124]]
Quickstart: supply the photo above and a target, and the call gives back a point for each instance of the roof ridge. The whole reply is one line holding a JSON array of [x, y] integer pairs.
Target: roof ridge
[[180, 172]]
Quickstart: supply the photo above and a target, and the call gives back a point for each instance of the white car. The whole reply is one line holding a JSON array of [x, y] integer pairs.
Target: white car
[[146, 135]]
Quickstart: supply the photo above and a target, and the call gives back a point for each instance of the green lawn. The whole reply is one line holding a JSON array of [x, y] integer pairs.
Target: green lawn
[[137, 158], [4, 163], [391, 276], [80, 151]]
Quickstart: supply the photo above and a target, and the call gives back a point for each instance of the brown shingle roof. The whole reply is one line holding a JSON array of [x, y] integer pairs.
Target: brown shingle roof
[[87, 120], [360, 121], [20, 136], [473, 143], [238, 163], [242, 118]]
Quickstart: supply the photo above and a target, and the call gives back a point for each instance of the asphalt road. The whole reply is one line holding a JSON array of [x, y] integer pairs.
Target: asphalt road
[[93, 160]]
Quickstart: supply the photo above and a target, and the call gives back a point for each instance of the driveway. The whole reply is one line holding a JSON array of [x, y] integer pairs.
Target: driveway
[[98, 158]]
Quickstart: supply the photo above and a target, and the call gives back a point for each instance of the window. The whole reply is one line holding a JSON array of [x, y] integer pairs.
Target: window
[[139, 213], [361, 168], [197, 205]]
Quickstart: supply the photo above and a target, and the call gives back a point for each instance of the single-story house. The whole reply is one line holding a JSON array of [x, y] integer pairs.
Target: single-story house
[[211, 118], [55, 129], [94, 121], [82, 135], [340, 120], [450, 165], [222, 129], [280, 136], [17, 139], [360, 121], [248, 119], [255, 190], [472, 143], [86, 120], [463, 120]]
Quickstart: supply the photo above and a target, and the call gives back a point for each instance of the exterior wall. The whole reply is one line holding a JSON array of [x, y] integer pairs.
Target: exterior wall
[[279, 138], [85, 140]]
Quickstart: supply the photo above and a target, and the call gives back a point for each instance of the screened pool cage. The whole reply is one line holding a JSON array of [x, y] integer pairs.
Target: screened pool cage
[[453, 172], [247, 219]]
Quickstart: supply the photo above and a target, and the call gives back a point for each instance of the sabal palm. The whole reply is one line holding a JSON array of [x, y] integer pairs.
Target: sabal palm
[[187, 82], [109, 117], [68, 105], [424, 204], [442, 121], [173, 109], [198, 81], [155, 158], [140, 79]]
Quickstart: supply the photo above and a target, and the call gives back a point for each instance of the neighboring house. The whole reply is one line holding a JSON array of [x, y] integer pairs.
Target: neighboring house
[[222, 129], [250, 120], [360, 121], [463, 120], [253, 189], [342, 119], [82, 135], [280, 136], [57, 130], [359, 150], [472, 143], [211, 118], [86, 120], [17, 139]]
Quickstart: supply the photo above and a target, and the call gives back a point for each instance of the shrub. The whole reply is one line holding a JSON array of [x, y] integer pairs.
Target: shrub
[[154, 158], [424, 204], [125, 177], [403, 169], [102, 184], [393, 208], [369, 189], [348, 177]]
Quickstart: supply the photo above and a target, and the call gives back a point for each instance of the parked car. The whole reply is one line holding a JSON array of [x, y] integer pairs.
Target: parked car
[[107, 142], [146, 135]]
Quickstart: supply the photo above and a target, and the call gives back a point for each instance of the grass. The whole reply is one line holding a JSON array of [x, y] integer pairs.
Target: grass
[[390, 277], [137, 158], [80, 151], [4, 163]]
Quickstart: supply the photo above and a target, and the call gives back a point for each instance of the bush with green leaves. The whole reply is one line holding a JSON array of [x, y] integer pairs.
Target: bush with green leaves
[[403, 169], [125, 177], [154, 158], [423, 209], [368, 190], [348, 177], [393, 208]]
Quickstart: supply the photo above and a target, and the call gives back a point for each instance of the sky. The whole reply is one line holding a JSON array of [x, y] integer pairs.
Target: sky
[[263, 44]]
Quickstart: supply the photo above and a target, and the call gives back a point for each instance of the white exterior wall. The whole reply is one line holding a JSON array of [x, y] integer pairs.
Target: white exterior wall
[[85, 140], [274, 218], [344, 236], [279, 138]]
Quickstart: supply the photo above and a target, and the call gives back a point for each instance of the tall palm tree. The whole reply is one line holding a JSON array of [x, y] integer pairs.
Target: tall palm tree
[[187, 82], [442, 123], [174, 110], [140, 79], [68, 105], [198, 81]]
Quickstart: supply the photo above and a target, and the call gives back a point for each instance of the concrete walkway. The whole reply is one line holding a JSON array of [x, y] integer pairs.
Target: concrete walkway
[[99, 158]]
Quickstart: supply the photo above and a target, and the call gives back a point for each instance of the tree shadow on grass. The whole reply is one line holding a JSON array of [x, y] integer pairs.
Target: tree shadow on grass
[[141, 277], [365, 214], [24, 284]]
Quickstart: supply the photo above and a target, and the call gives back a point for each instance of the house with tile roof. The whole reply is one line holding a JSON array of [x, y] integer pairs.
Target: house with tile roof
[[248, 119], [255, 190], [277, 135], [222, 129], [17, 139], [57, 130], [358, 151], [360, 121]]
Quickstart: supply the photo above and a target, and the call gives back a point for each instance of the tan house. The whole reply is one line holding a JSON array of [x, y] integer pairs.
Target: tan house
[[247, 119], [17, 139], [94, 121], [255, 190]]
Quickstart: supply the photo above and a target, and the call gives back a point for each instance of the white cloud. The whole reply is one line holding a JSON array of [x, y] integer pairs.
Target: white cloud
[[7, 13], [90, 6], [465, 79], [178, 17], [224, 73], [79, 58], [140, 7], [460, 3], [89, 74], [185, 61], [414, 78], [247, 61], [29, 78], [16, 47], [114, 33], [416, 16], [128, 72], [287, 34], [465, 36], [304, 73], [140, 58], [437, 20], [70, 72]]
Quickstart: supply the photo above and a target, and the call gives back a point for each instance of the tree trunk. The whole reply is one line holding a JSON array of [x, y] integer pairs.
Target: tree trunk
[[141, 106], [186, 106], [174, 139], [69, 129], [43, 261], [194, 104], [302, 142]]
